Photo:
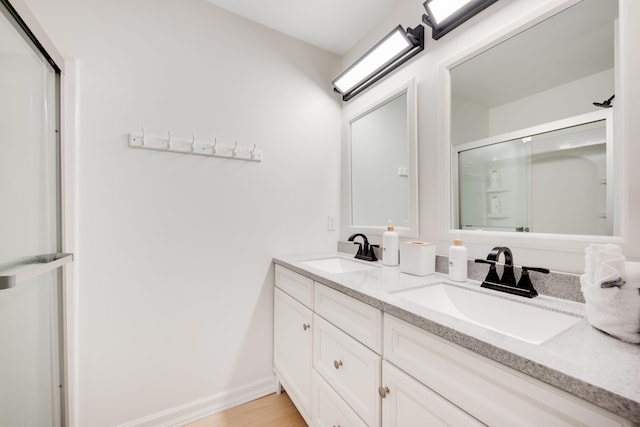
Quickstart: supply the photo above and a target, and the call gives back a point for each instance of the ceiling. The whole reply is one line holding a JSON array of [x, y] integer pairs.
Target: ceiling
[[332, 25]]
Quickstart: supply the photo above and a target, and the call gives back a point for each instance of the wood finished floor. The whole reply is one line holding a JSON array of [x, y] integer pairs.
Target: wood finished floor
[[268, 411]]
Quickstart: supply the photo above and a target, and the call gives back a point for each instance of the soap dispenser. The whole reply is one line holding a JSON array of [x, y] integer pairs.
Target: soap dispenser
[[458, 261], [390, 246]]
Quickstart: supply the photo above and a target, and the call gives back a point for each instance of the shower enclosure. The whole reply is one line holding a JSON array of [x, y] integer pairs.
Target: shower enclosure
[[553, 178], [31, 339]]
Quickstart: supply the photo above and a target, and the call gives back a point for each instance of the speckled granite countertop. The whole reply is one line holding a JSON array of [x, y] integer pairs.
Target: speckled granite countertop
[[581, 360]]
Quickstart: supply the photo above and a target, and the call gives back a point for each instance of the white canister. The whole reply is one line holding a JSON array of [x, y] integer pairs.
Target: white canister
[[417, 258]]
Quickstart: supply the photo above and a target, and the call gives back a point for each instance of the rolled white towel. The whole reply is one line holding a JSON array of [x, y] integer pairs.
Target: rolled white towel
[[615, 309], [595, 254]]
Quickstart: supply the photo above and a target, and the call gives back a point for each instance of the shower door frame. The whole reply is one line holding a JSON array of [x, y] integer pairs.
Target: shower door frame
[[66, 121]]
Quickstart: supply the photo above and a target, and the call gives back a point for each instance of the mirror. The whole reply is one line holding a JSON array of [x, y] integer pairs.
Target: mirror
[[382, 171], [539, 85]]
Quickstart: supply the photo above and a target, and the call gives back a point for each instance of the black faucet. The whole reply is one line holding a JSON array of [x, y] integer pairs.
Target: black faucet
[[365, 250], [507, 283]]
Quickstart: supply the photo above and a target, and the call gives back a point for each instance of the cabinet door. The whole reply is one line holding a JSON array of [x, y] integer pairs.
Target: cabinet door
[[292, 349], [406, 402], [329, 410]]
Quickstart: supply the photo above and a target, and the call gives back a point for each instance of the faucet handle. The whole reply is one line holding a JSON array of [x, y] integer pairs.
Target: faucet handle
[[525, 280], [538, 269], [492, 276]]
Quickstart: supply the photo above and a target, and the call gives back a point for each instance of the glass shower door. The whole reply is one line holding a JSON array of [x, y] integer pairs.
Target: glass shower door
[[31, 365]]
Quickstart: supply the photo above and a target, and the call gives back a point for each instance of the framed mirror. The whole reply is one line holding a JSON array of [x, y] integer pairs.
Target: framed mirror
[[550, 84], [382, 165]]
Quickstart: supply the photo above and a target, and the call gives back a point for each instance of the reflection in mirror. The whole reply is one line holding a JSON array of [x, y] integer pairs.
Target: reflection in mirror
[[548, 179], [556, 70], [383, 184], [379, 165]]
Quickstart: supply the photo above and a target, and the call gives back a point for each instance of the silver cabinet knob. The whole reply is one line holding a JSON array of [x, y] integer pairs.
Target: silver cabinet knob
[[383, 391], [337, 364], [305, 326]]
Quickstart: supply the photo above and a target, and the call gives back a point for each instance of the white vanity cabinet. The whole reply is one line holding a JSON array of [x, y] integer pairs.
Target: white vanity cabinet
[[346, 364], [293, 335]]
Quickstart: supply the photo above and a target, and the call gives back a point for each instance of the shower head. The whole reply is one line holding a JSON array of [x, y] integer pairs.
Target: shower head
[[605, 104]]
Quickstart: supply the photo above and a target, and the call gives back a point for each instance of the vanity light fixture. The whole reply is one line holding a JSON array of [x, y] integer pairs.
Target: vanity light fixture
[[392, 51], [445, 15]]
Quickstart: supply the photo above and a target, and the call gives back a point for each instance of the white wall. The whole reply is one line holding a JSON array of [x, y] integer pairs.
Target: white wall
[[174, 251], [560, 102], [555, 252]]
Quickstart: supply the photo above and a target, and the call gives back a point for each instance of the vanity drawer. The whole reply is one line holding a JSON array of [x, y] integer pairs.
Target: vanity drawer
[[349, 367], [489, 391], [356, 318], [296, 285], [329, 410]]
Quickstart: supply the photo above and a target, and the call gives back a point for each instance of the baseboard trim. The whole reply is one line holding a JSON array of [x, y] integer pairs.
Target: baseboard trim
[[192, 411]]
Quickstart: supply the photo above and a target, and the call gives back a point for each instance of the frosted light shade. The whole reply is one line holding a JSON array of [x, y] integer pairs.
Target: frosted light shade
[[439, 10], [394, 45]]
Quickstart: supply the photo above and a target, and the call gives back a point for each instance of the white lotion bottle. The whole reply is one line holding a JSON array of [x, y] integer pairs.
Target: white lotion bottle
[[458, 262], [390, 247]]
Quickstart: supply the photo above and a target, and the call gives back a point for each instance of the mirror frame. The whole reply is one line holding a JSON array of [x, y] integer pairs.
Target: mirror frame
[[555, 246], [412, 230]]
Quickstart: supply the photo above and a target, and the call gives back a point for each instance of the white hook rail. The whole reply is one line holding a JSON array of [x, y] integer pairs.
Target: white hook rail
[[193, 146]]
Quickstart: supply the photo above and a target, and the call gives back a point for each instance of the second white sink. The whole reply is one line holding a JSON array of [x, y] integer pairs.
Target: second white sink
[[522, 321], [338, 265]]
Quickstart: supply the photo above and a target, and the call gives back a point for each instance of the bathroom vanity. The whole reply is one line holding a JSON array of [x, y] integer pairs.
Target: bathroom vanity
[[354, 347]]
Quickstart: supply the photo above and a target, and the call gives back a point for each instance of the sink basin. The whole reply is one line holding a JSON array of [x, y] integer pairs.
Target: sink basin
[[338, 265], [515, 319]]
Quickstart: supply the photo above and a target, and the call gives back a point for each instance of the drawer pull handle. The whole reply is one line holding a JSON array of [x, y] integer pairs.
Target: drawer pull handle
[[383, 391], [305, 326], [337, 364]]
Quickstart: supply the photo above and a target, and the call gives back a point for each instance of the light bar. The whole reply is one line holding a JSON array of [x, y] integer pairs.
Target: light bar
[[391, 52], [445, 15]]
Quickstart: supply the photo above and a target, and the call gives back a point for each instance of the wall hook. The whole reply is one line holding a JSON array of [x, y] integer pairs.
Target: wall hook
[[253, 152], [169, 141], [143, 141], [213, 148], [235, 149], [193, 143]]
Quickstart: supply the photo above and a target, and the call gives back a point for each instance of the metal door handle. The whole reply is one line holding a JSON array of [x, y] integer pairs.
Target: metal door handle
[[383, 391], [32, 267], [305, 326], [337, 364]]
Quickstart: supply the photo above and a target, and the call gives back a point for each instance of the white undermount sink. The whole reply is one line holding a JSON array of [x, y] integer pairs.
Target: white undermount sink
[[519, 320], [338, 265]]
